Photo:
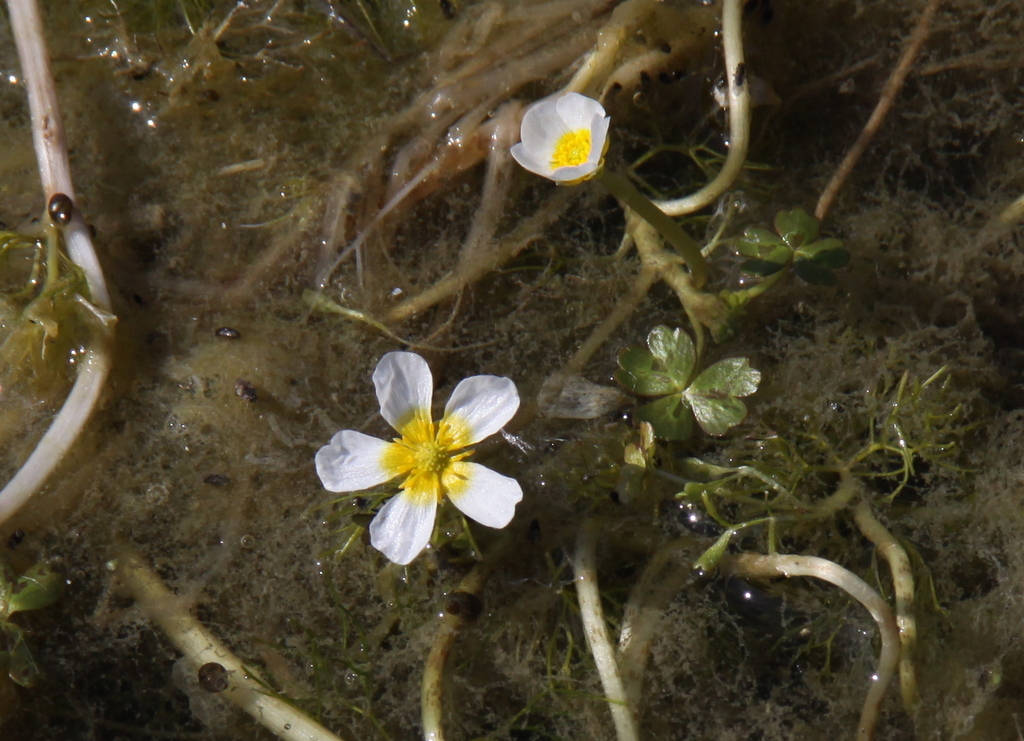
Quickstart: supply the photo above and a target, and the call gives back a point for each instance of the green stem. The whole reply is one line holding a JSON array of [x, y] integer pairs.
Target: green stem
[[620, 187]]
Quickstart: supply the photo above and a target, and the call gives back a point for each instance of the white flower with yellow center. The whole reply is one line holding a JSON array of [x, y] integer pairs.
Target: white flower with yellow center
[[428, 457], [563, 138]]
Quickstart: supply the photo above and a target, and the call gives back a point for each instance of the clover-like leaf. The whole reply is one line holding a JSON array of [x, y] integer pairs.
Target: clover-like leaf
[[664, 367], [37, 588], [713, 396], [762, 268], [670, 417], [757, 242], [826, 253], [796, 227], [811, 272]]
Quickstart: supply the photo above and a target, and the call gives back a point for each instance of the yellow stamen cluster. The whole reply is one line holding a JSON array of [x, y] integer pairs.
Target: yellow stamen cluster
[[571, 149], [426, 455]]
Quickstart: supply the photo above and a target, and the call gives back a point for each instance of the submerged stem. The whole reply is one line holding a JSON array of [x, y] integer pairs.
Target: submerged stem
[[55, 173], [756, 566], [189, 636], [620, 187], [584, 566], [738, 97]]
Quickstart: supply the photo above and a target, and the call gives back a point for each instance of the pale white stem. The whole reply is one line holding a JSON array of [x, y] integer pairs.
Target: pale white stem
[[756, 566], [432, 688], [164, 609], [584, 566], [55, 173], [49, 139], [644, 613], [903, 588], [738, 97]]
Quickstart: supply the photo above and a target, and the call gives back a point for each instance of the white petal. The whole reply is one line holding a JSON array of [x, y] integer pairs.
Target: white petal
[[485, 496], [578, 111], [575, 174], [598, 137], [404, 387], [484, 404], [537, 166], [402, 528], [352, 462], [541, 128]]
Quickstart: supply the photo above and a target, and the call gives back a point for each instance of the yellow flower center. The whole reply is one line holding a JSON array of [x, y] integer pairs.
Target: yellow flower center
[[426, 455], [571, 149]]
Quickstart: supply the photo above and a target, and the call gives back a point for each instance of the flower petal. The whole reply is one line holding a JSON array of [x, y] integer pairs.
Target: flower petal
[[577, 111], [541, 128], [352, 462], [402, 528], [404, 388], [482, 494], [575, 174], [479, 406], [528, 162], [599, 137]]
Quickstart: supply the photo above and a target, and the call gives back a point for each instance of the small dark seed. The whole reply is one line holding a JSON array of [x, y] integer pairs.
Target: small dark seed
[[245, 390], [666, 48], [213, 677], [228, 333], [533, 534], [217, 479], [61, 209], [15, 540], [447, 9], [464, 605]]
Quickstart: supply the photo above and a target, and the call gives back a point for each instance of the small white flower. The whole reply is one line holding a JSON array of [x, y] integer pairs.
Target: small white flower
[[563, 138], [427, 455]]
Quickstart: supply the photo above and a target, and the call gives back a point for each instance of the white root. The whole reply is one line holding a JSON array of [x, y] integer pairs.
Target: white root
[[55, 173]]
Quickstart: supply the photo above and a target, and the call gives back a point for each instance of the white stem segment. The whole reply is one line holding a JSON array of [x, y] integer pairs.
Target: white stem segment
[[163, 608], [738, 98], [756, 566], [584, 566], [55, 173]]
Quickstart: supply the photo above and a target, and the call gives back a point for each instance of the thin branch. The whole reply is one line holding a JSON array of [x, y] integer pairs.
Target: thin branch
[[889, 93]]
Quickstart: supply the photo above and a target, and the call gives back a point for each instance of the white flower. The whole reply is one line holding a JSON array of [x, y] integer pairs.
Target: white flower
[[563, 138], [427, 456]]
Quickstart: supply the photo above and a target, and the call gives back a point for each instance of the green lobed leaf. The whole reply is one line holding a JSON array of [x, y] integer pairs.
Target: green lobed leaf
[[637, 374], [762, 268], [713, 394], [729, 377], [826, 253], [796, 227], [37, 588], [664, 368], [811, 272], [670, 417], [757, 241]]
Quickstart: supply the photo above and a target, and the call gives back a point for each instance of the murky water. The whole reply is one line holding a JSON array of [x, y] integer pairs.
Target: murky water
[[227, 155]]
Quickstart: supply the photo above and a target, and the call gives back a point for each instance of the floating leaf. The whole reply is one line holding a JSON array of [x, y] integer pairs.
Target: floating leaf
[[670, 417], [763, 268]]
